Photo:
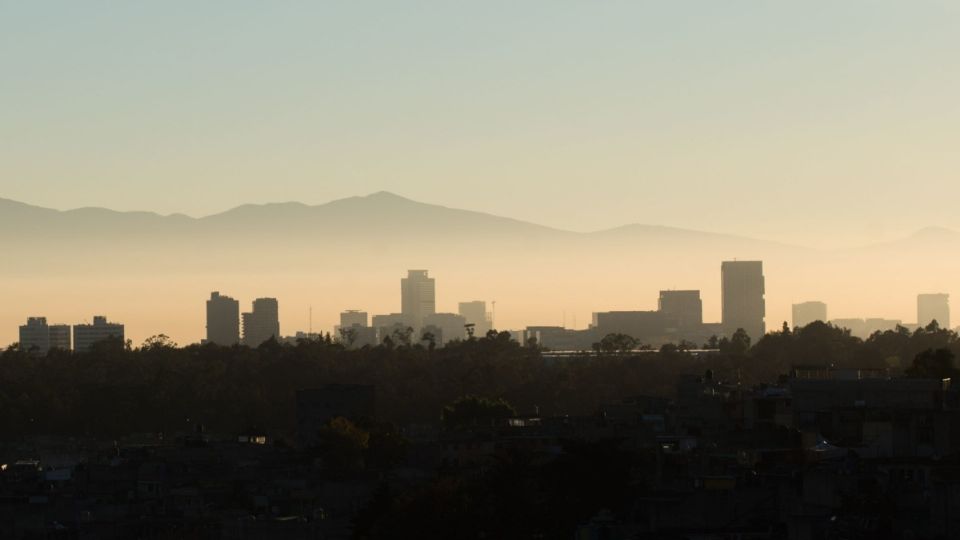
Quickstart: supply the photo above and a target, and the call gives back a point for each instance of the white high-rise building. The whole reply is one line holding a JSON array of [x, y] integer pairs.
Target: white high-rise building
[[418, 298]]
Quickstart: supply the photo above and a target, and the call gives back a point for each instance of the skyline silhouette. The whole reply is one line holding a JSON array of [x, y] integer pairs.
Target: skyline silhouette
[[145, 269], [678, 321]]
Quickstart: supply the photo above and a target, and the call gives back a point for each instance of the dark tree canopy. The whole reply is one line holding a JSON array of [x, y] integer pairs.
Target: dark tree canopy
[[115, 389], [476, 411]]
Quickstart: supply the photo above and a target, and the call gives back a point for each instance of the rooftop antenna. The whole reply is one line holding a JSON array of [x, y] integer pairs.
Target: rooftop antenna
[[311, 320]]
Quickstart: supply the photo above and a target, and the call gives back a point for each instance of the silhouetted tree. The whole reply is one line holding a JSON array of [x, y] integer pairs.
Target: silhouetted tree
[[430, 339], [403, 336], [348, 336], [386, 447], [738, 344], [158, 342], [617, 342], [474, 411], [343, 445], [933, 364]]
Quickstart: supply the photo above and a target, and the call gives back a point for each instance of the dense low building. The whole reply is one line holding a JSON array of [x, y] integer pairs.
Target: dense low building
[[85, 336], [561, 339], [445, 327], [38, 337], [864, 328], [389, 325], [805, 313], [649, 327]]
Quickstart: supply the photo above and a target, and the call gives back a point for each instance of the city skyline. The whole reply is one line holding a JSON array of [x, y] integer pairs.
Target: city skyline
[[678, 319], [547, 269]]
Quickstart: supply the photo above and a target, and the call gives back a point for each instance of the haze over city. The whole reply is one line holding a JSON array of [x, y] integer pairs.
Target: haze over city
[[153, 273], [539, 270]]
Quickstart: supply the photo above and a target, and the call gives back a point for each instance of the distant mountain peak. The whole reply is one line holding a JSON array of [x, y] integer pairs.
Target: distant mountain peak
[[387, 198], [386, 195]]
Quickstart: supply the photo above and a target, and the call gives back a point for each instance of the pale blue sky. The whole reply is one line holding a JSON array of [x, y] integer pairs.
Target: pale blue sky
[[786, 120]]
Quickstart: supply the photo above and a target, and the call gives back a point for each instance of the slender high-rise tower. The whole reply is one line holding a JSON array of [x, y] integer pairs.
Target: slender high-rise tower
[[743, 303], [418, 298], [262, 323], [223, 320]]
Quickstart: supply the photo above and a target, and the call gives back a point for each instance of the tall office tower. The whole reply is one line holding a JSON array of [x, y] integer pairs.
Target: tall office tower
[[933, 307], [683, 308], [353, 317], [86, 335], [418, 298], [223, 320], [262, 323], [742, 289], [475, 313], [805, 313]]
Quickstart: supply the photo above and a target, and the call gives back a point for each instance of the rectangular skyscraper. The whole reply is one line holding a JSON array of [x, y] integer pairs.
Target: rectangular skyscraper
[[86, 335], [933, 307], [262, 323], [223, 320], [805, 313], [742, 298], [476, 314], [417, 298]]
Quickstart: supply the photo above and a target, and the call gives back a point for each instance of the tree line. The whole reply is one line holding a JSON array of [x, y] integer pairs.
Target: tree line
[[117, 389]]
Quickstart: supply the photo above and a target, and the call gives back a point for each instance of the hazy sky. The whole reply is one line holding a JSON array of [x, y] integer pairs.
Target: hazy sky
[[786, 120]]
